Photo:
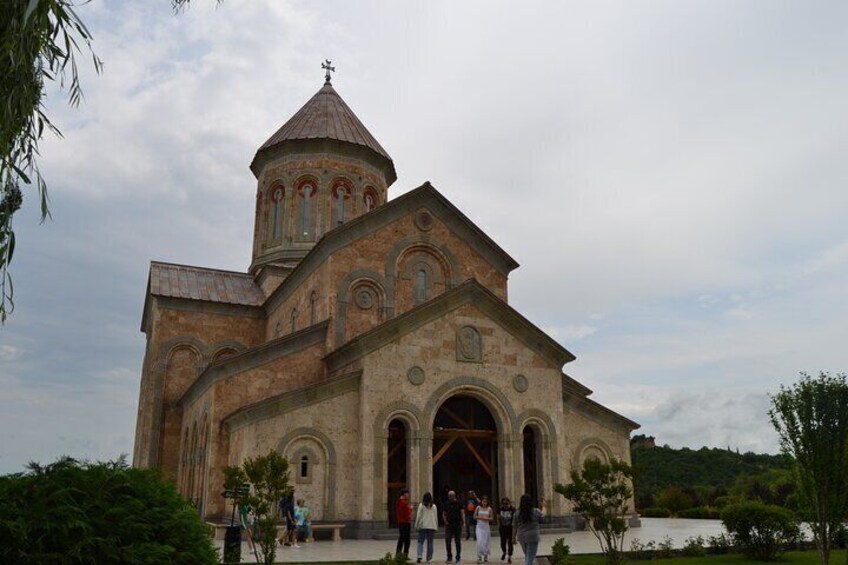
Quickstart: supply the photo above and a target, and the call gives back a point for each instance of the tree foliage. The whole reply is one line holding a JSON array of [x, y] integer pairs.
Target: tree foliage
[[811, 419], [78, 513], [40, 40], [601, 494], [761, 531], [674, 500], [268, 477]]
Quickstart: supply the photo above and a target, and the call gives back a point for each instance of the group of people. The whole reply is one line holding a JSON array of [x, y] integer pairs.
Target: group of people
[[522, 525], [298, 521]]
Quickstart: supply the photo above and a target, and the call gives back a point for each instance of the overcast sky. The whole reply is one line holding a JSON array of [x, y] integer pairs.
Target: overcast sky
[[671, 176]]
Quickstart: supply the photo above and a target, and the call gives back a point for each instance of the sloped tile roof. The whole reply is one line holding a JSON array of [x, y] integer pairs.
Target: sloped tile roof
[[211, 285], [326, 116]]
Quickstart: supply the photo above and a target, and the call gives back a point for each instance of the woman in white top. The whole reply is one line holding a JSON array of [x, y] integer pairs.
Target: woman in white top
[[426, 522], [483, 514]]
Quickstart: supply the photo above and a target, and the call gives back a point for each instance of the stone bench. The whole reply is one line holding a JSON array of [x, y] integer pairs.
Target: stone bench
[[336, 528]]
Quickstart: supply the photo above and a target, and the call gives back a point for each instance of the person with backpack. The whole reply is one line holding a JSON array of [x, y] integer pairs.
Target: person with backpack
[[471, 504]]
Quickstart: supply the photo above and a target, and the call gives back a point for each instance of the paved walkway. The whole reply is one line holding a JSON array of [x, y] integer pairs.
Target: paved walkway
[[655, 529]]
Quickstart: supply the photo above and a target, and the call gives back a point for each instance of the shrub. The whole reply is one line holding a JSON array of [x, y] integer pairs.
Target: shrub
[[699, 512], [674, 499], [389, 559], [722, 501], [665, 549], [73, 512], [760, 531], [694, 547], [719, 545], [561, 553], [642, 551], [655, 513]]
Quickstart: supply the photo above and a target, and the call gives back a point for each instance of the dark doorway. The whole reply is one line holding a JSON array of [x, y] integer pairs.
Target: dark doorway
[[397, 464], [465, 449], [531, 465]]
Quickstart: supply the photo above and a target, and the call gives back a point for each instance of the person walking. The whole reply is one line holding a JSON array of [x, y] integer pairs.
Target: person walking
[[303, 523], [527, 528], [506, 513], [454, 517], [403, 515], [471, 504], [483, 516], [426, 523]]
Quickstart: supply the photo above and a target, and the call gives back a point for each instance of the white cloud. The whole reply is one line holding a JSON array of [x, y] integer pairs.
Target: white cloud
[[9, 352]]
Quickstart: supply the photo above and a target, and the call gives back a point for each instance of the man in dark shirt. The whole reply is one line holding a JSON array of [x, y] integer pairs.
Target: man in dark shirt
[[454, 517]]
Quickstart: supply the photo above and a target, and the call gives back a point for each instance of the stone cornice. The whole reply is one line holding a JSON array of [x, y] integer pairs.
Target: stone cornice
[[574, 386], [425, 196], [255, 357], [469, 292], [597, 412], [292, 400], [209, 307]]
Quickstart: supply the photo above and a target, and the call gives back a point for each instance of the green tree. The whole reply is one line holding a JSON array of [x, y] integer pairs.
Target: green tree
[[40, 40], [601, 493], [762, 531], [268, 477], [79, 513], [674, 500], [811, 419]]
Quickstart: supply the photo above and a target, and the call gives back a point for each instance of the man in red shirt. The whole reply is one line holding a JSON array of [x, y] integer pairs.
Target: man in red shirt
[[403, 515]]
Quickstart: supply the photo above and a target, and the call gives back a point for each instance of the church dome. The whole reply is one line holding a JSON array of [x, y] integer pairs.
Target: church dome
[[326, 117]]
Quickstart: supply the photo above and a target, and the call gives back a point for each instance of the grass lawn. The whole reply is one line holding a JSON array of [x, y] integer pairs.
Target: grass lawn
[[789, 558]]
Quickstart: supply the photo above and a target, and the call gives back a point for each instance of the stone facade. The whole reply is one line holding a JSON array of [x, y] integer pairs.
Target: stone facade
[[377, 350]]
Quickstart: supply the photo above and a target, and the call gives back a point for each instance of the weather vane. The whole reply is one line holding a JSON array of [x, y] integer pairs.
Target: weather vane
[[326, 66]]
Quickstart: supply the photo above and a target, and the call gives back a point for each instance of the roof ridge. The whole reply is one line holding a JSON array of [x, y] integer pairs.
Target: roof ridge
[[197, 268]]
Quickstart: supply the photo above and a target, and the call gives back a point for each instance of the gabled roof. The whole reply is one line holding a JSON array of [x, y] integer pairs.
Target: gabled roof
[[469, 292], [210, 285], [425, 196], [326, 116]]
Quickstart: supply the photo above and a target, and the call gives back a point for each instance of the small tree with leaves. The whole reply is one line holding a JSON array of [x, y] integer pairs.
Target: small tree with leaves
[[811, 418], [601, 494], [268, 477]]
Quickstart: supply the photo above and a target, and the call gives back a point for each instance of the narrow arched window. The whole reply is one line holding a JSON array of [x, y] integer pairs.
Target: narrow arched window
[[313, 305], [306, 210], [307, 220], [304, 467], [341, 194], [421, 285], [293, 320], [277, 212], [370, 200]]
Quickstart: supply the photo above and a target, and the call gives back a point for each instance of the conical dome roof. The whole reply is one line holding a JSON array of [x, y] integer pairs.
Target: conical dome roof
[[326, 116]]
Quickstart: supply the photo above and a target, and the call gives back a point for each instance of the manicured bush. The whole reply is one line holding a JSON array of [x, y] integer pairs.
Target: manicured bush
[[759, 530], [655, 513], [80, 513], [561, 553], [699, 512]]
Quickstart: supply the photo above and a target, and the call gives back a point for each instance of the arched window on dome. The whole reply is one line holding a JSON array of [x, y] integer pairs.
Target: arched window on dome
[[306, 208], [277, 212], [341, 201], [369, 199]]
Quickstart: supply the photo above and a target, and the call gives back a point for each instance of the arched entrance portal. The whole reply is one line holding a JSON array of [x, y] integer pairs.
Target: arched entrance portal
[[531, 464], [397, 465], [465, 448]]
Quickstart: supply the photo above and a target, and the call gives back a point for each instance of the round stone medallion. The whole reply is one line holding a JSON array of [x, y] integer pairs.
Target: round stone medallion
[[423, 220], [364, 298], [520, 383], [415, 375]]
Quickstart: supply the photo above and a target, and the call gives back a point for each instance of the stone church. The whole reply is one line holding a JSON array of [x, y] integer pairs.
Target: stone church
[[370, 342]]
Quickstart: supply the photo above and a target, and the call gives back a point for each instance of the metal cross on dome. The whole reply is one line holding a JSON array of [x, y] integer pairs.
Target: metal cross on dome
[[326, 66]]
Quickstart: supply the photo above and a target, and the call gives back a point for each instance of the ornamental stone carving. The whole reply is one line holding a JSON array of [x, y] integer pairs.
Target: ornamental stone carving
[[520, 383], [423, 220], [469, 346], [364, 298], [415, 375]]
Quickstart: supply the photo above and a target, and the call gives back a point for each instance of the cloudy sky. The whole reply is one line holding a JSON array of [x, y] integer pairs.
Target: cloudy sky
[[670, 175]]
